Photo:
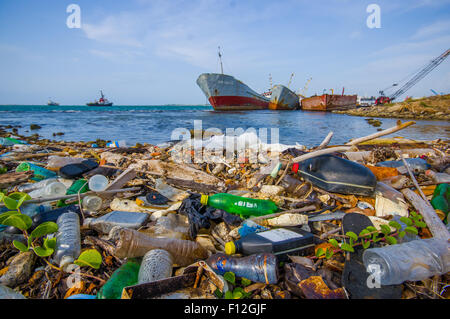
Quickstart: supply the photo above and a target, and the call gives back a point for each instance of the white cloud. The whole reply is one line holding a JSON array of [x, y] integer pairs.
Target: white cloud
[[438, 27]]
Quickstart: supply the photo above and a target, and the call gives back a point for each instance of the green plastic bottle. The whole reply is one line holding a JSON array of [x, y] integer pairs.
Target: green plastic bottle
[[73, 189], [243, 206], [126, 275], [441, 198]]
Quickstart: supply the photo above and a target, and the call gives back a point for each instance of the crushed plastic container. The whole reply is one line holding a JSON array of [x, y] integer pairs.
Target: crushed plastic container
[[92, 203], [416, 165], [337, 175], [68, 242], [54, 189], [258, 268], [26, 188], [156, 265], [240, 205], [410, 261], [40, 173], [105, 223], [98, 183]]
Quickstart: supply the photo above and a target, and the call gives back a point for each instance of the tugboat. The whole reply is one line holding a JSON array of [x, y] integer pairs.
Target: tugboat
[[52, 103], [101, 102]]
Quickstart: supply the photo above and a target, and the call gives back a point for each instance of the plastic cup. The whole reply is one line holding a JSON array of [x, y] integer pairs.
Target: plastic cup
[[98, 183]]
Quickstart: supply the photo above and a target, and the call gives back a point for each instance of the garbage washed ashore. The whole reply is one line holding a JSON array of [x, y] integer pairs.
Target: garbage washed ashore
[[367, 219]]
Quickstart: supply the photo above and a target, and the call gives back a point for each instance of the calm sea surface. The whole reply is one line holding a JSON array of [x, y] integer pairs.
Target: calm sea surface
[[155, 124]]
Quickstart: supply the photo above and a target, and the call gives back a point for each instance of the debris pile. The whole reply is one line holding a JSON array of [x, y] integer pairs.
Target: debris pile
[[368, 219]]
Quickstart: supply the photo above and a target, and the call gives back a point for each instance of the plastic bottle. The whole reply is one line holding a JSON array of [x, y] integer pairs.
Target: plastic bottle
[[105, 223], [68, 242], [126, 275], [258, 268], [40, 173], [169, 226], [156, 265], [135, 244], [441, 198], [279, 241], [53, 215], [92, 203], [8, 293], [55, 162], [98, 183], [240, 205], [408, 236], [26, 188], [30, 210], [411, 261], [438, 177], [77, 186], [51, 190], [8, 141], [249, 227]]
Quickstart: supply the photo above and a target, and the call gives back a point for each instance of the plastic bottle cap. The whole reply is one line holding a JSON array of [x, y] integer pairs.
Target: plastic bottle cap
[[295, 167], [204, 199], [230, 248]]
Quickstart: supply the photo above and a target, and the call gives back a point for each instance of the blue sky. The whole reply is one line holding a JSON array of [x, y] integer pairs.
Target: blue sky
[[149, 52]]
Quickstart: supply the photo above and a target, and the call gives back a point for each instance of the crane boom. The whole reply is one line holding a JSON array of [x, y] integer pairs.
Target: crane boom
[[420, 75]]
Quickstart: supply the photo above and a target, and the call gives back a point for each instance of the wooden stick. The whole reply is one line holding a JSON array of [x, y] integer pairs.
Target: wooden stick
[[292, 211], [325, 141], [309, 155], [414, 179], [399, 127], [430, 217]]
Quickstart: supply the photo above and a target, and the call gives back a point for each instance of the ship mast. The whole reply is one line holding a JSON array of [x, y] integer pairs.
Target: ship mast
[[220, 59]]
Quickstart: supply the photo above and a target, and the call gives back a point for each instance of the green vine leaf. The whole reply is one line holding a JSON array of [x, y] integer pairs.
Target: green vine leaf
[[91, 258], [23, 222], [334, 242], [228, 295], [43, 252], [406, 221], [386, 230], [245, 282], [20, 246], [394, 224], [391, 240], [237, 295], [401, 234], [371, 229], [50, 243], [5, 215], [218, 293], [420, 224], [329, 253], [352, 235], [364, 232], [412, 230], [44, 229], [230, 277], [366, 244], [10, 203], [347, 247], [320, 252]]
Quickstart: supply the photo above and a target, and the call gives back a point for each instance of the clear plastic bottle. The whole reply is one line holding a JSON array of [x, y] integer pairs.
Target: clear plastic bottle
[[98, 183], [136, 244], [26, 188], [157, 264], [68, 242], [170, 226], [51, 190], [8, 293], [410, 261], [258, 268], [439, 178], [56, 162], [105, 223], [92, 203]]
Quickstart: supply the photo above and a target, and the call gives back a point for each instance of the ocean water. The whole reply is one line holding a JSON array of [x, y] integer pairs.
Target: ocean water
[[156, 124]]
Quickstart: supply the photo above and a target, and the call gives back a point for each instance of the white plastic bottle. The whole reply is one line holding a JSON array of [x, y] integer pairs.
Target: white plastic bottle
[[98, 183], [411, 261], [68, 242], [92, 203], [156, 265], [51, 190], [26, 188], [439, 178]]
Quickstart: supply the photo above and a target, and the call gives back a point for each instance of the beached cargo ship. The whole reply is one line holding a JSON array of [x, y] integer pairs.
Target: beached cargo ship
[[225, 93], [328, 102], [283, 99]]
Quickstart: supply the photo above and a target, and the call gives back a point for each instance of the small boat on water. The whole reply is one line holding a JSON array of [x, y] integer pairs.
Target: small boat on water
[[101, 102], [225, 93], [52, 103], [283, 98], [328, 102]]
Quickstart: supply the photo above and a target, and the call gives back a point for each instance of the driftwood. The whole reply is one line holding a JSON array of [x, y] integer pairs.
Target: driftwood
[[14, 178], [120, 181], [198, 187], [394, 129], [326, 141], [291, 211], [414, 180], [430, 217]]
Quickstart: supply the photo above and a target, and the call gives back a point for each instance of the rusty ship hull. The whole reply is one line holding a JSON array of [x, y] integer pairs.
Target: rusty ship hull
[[225, 93], [328, 102], [283, 99]]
